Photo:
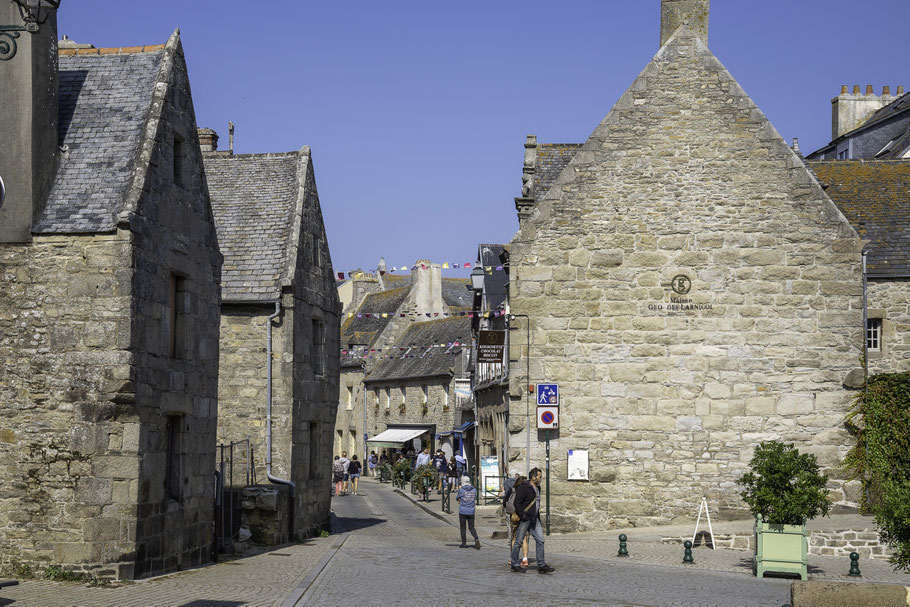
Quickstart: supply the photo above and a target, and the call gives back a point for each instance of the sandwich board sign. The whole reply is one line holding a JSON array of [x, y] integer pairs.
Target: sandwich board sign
[[547, 418], [548, 394]]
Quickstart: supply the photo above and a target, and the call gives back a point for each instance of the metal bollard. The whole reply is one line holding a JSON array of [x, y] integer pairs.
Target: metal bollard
[[687, 556], [623, 551], [854, 565]]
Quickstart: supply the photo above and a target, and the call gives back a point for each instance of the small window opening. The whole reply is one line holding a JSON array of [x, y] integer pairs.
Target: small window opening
[[874, 335]]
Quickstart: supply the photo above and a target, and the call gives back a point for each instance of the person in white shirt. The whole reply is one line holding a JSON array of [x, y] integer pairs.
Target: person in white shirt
[[423, 458]]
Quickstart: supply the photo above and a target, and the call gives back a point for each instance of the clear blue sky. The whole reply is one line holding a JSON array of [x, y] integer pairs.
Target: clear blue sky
[[417, 111]]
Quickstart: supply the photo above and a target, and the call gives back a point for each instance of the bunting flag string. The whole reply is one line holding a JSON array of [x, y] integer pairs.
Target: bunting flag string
[[490, 314], [412, 351], [445, 266]]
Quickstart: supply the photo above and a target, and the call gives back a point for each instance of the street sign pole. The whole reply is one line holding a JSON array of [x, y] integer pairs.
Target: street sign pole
[[548, 482]]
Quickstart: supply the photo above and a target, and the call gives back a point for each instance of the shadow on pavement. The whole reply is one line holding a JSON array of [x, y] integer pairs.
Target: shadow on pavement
[[213, 603], [342, 524], [5, 602]]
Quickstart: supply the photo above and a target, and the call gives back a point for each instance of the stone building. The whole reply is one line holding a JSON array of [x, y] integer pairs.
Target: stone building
[[691, 288], [384, 310], [874, 195], [109, 311], [491, 380], [868, 126], [279, 323]]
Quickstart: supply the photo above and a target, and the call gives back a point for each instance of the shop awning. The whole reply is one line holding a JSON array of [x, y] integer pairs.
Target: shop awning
[[395, 437], [459, 430]]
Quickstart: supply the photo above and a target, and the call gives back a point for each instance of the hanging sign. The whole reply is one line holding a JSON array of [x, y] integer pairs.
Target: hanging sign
[[491, 346], [547, 418]]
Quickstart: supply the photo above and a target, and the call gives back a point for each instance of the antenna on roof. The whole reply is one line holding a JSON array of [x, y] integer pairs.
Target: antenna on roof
[[231, 136]]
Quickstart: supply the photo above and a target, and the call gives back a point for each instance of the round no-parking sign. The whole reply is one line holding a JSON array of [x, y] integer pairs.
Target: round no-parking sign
[[547, 418]]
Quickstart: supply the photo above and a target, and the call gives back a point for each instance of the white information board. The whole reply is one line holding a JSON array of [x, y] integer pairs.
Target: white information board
[[578, 464]]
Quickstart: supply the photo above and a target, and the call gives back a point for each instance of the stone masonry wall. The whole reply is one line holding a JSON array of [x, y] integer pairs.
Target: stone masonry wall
[[69, 432], [173, 238], [412, 411], [89, 383], [685, 184], [889, 300], [315, 367]]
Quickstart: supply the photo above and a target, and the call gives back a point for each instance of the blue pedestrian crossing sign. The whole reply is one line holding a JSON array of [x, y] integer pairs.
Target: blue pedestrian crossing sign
[[548, 394]]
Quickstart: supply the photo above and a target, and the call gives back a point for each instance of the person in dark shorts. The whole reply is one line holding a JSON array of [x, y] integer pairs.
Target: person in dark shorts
[[354, 469]]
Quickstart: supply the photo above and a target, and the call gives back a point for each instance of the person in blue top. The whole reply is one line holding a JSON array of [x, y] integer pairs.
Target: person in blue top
[[467, 500]]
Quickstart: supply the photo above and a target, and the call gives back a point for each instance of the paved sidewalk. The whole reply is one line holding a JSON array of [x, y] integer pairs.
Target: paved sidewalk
[[263, 580], [645, 545]]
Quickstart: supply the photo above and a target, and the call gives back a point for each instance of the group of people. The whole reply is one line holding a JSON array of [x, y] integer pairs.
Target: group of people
[[346, 473], [521, 502]]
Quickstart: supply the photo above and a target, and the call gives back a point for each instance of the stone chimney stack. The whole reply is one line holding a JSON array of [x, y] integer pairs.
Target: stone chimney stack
[[28, 122], [208, 140], [676, 13], [850, 110], [427, 289]]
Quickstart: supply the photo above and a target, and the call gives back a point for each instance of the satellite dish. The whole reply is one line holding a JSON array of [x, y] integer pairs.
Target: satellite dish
[[2, 192]]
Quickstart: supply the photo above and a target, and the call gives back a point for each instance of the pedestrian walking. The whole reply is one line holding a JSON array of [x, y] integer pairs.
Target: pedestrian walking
[[452, 473], [508, 502], [439, 462], [354, 468], [467, 500], [338, 475], [345, 478], [527, 506], [373, 462]]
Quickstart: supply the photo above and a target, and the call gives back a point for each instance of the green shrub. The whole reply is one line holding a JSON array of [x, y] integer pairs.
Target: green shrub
[[784, 485], [59, 574], [425, 478], [880, 459]]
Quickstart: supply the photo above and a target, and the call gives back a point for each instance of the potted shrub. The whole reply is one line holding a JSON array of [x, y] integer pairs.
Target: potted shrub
[[784, 489]]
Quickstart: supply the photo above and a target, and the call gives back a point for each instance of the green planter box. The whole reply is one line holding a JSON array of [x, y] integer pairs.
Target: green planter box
[[781, 548]]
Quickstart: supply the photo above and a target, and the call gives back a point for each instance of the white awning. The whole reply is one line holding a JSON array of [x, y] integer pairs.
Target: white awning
[[396, 437]]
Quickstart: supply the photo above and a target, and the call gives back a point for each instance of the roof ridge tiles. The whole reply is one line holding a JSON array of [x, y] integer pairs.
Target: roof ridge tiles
[[121, 50]]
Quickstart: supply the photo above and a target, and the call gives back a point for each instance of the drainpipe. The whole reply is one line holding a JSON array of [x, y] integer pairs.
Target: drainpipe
[[865, 325], [268, 423]]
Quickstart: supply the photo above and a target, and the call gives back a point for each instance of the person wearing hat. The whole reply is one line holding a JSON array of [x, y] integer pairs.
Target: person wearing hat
[[467, 500]]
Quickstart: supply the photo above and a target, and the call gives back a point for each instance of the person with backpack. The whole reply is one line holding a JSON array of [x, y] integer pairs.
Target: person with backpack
[[508, 501], [439, 462], [527, 507], [344, 475], [338, 475], [467, 500], [354, 468], [373, 462]]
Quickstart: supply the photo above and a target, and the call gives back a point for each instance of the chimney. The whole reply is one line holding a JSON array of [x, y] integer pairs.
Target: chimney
[[28, 122], [849, 111], [427, 289], [676, 13], [208, 140]]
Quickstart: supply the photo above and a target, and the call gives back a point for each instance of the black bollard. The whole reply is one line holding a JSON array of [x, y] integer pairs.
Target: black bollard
[[623, 551], [687, 557], [854, 565]]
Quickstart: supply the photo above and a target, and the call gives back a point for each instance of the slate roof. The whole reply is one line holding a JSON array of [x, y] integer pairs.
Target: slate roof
[[874, 196], [105, 99], [552, 158], [421, 361], [365, 331], [456, 294], [896, 112], [254, 197]]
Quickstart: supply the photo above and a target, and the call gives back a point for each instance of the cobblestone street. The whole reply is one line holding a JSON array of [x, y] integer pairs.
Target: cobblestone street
[[386, 550]]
